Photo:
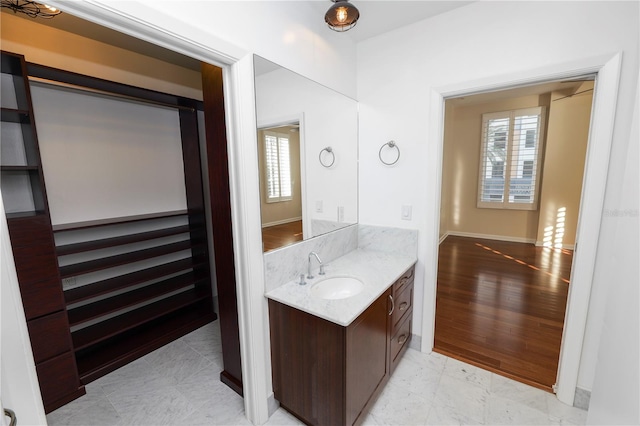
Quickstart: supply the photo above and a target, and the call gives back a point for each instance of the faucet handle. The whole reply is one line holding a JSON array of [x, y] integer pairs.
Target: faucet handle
[[302, 281], [321, 272]]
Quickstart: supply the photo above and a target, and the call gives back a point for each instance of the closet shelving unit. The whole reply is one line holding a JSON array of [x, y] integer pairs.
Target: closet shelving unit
[[129, 314], [144, 280], [34, 253]]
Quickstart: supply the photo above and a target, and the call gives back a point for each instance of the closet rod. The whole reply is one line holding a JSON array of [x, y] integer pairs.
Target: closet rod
[[106, 93]]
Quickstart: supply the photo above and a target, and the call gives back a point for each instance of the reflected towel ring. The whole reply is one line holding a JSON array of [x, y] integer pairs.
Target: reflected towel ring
[[390, 144], [333, 157]]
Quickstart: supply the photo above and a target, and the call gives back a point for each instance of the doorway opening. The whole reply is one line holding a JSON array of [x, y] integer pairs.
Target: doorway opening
[[281, 186], [222, 340], [512, 174]]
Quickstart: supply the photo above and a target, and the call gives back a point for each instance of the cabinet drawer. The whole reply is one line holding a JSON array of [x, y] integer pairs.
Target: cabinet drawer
[[403, 302], [35, 263], [404, 280], [400, 340], [58, 377], [49, 336], [41, 298], [30, 231]]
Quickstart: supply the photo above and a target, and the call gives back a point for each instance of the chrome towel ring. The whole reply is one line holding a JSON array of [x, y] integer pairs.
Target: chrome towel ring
[[326, 163], [390, 144]]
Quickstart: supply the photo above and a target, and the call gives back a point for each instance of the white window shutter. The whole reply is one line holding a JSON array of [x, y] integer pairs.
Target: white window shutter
[[277, 167], [509, 160]]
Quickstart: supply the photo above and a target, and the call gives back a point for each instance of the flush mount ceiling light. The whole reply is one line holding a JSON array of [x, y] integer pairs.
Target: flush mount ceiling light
[[342, 16], [31, 8]]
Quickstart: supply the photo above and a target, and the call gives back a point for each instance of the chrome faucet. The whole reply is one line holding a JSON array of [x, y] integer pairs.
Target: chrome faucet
[[321, 272]]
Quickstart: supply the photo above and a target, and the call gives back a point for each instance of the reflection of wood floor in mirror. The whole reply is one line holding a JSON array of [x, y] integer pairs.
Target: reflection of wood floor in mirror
[[277, 236], [501, 306]]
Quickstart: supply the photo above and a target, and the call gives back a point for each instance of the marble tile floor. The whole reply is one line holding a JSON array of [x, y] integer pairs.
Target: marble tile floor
[[178, 384]]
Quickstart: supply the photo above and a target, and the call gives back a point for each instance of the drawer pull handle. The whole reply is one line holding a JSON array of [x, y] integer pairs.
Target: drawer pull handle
[[393, 305], [402, 339], [403, 306]]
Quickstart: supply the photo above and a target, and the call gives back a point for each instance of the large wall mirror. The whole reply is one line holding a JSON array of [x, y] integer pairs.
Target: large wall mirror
[[308, 156]]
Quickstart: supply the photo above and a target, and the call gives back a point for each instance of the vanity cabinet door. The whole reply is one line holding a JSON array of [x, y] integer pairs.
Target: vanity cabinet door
[[307, 360], [367, 358], [326, 374]]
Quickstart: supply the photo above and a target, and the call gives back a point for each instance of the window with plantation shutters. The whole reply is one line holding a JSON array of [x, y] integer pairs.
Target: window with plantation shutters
[[510, 159], [277, 167]]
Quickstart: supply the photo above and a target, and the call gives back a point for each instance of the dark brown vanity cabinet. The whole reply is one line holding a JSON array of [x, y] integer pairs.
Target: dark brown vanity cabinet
[[327, 374]]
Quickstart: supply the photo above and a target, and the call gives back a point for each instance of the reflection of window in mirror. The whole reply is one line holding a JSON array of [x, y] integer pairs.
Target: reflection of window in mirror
[[277, 167]]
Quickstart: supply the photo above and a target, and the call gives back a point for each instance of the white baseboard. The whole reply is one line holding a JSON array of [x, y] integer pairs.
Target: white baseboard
[[416, 342], [443, 237], [493, 237], [281, 222], [582, 399], [272, 404]]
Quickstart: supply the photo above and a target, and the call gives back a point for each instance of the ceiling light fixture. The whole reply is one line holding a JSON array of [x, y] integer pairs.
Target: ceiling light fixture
[[31, 8], [342, 16]]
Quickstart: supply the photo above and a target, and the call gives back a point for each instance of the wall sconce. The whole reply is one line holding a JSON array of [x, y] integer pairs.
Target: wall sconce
[[342, 16], [31, 8]]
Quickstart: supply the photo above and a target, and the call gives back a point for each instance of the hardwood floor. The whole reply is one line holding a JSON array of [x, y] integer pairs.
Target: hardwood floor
[[277, 236], [501, 306]]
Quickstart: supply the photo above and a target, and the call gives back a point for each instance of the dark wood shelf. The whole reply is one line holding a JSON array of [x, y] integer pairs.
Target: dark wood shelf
[[11, 115], [113, 353], [20, 215], [123, 259], [104, 330], [118, 241], [117, 220], [123, 281], [19, 168], [102, 307]]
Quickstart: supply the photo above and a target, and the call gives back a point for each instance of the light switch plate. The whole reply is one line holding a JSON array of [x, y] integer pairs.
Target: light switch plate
[[319, 206], [406, 213]]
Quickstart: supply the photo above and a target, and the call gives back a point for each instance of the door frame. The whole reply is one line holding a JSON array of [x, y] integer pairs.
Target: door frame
[[607, 68]]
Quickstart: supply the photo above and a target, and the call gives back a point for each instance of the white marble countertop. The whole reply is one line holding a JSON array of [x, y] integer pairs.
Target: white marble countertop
[[376, 269]]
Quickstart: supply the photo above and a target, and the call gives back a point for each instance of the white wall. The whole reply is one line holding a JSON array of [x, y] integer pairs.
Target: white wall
[[397, 71], [99, 164]]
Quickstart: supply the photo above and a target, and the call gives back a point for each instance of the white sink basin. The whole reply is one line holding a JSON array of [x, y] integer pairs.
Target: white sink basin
[[337, 288]]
